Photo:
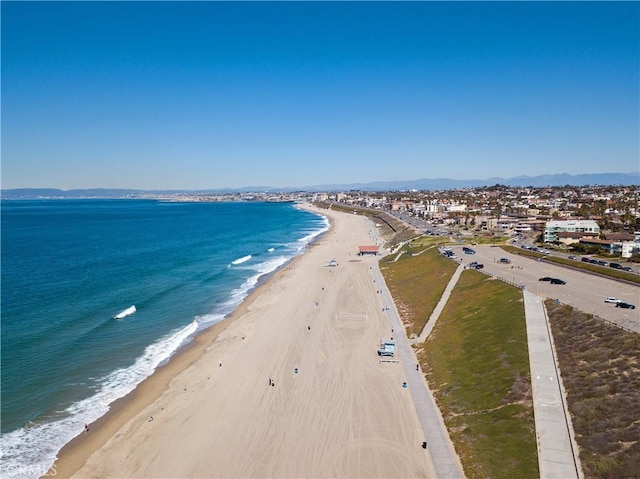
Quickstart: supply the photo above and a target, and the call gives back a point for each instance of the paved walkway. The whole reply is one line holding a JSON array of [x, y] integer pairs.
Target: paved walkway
[[557, 455], [443, 455], [428, 327]]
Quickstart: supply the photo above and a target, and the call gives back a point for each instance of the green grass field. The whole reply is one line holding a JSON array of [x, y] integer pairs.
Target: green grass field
[[476, 359], [416, 281]]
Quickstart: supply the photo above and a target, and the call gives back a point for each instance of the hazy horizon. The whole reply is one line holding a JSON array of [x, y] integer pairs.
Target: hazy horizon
[[211, 95]]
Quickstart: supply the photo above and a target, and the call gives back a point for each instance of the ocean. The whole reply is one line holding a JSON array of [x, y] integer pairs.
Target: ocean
[[96, 294]]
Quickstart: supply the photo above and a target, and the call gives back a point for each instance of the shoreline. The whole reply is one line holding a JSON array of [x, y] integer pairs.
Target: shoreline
[[75, 453], [337, 411]]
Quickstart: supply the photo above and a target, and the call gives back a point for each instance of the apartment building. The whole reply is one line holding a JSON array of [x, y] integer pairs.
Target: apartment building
[[572, 226]]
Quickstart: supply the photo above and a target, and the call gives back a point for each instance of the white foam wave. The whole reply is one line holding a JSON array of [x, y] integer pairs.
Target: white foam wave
[[244, 259], [207, 320], [30, 451], [237, 296], [127, 312], [270, 250], [305, 240]]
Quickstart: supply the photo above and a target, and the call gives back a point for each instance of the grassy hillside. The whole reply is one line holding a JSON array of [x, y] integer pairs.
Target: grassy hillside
[[476, 361], [416, 282]]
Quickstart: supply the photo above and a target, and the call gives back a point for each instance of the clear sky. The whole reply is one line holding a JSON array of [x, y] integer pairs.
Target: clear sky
[[199, 95]]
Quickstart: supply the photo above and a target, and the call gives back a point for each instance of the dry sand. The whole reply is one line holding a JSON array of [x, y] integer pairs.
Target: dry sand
[[342, 414]]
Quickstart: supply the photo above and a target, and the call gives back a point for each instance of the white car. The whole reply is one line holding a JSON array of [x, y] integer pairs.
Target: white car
[[611, 299]]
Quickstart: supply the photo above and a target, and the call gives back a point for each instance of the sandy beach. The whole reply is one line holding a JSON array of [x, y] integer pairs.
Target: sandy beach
[[289, 386]]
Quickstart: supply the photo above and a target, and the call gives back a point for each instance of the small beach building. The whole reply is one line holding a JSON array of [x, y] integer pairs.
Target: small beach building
[[372, 250]]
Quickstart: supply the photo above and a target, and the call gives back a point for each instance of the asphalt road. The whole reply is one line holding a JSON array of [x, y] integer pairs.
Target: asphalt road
[[583, 291]]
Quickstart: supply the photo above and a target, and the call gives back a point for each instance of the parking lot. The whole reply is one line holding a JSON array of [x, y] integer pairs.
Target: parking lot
[[582, 290]]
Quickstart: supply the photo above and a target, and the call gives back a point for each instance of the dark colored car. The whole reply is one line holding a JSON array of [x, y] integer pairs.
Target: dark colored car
[[557, 281], [586, 260], [546, 278], [625, 305], [505, 260]]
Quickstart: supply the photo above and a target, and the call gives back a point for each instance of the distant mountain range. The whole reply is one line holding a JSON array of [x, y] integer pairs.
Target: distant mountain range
[[623, 179], [601, 179]]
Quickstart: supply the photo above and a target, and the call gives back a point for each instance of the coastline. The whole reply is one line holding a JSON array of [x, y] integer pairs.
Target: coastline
[[170, 415], [75, 453]]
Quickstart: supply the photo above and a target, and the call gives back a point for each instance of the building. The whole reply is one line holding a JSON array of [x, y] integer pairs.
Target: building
[[372, 250], [571, 226], [571, 237]]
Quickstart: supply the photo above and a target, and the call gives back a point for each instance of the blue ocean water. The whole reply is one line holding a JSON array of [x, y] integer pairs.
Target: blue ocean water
[[70, 267]]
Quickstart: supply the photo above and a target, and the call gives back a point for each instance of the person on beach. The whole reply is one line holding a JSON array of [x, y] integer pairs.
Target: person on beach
[[86, 428]]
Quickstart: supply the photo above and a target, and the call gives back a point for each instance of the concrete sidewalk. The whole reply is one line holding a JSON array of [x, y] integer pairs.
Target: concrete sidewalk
[[557, 454]]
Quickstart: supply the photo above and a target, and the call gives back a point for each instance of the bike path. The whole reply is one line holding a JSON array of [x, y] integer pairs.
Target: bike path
[[557, 454]]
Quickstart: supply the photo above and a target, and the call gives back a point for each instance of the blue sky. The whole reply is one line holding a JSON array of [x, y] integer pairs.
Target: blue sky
[[198, 95]]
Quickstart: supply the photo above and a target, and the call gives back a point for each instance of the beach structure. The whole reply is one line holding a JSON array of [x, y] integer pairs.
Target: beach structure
[[387, 348], [368, 249]]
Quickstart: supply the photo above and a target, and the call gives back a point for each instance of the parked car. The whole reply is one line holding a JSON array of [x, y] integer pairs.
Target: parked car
[[615, 265], [586, 260], [627, 268], [546, 278], [557, 281], [611, 299], [572, 257], [505, 260], [625, 305]]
